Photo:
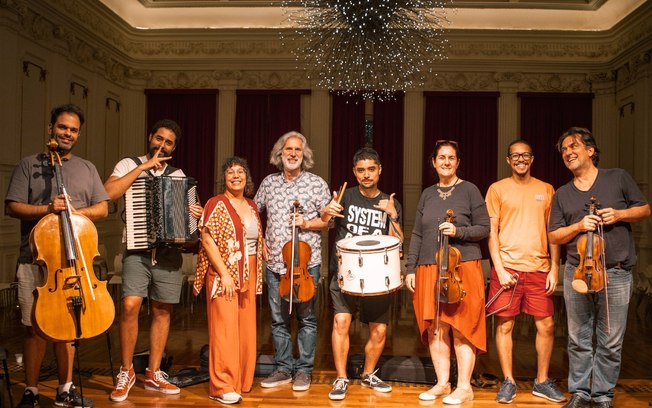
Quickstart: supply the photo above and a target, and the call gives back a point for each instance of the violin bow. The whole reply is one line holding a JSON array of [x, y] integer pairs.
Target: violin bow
[[55, 159], [606, 275], [294, 224]]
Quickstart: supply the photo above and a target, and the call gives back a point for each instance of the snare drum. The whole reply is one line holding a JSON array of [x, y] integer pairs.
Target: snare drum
[[369, 265]]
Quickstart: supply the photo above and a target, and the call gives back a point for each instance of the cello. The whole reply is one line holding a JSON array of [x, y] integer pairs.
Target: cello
[[72, 304], [449, 284], [297, 281]]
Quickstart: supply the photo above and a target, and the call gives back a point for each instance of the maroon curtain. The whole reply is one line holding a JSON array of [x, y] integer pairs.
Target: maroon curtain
[[544, 117], [261, 118], [195, 112], [388, 141], [347, 136], [471, 119]]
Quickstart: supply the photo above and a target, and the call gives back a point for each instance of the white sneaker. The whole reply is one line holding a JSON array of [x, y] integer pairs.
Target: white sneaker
[[228, 398]]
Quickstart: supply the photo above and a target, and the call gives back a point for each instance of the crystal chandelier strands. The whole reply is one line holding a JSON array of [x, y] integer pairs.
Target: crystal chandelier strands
[[373, 47]]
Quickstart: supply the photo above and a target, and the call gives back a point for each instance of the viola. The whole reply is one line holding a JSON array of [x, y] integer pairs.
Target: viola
[[297, 282], [72, 304], [448, 258], [591, 274]]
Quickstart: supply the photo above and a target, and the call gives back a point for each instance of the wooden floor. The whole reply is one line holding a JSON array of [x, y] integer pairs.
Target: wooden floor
[[188, 334]]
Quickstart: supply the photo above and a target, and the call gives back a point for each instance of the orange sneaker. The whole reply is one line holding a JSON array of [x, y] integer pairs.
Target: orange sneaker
[[158, 381], [124, 380]]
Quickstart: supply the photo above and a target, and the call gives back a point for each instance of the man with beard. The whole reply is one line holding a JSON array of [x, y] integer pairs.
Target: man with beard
[[362, 210], [30, 197], [593, 368], [152, 273], [276, 195], [525, 265]]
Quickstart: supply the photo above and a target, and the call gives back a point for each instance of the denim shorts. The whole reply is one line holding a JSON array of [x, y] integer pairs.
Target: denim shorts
[[161, 282]]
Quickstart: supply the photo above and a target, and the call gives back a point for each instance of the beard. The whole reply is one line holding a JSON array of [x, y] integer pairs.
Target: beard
[[291, 166], [153, 149]]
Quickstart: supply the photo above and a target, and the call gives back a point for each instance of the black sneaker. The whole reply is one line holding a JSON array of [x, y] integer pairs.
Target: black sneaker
[[72, 399], [339, 389], [29, 400]]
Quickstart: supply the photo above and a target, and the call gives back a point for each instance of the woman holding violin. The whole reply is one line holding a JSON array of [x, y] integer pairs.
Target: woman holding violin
[[32, 195], [451, 219], [229, 264]]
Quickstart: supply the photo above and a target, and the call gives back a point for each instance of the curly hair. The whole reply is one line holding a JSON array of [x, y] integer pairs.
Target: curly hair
[[236, 161], [168, 124], [277, 151]]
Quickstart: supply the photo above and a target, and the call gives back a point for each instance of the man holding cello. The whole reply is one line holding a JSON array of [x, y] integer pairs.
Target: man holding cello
[[593, 373], [277, 195], [30, 197], [361, 210]]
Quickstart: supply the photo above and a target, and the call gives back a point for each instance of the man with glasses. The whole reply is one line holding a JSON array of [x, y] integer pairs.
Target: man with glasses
[[525, 267]]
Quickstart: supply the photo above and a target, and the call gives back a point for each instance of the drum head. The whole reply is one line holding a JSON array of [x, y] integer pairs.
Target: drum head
[[366, 243]]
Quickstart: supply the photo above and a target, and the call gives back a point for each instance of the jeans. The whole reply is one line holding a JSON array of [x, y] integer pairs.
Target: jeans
[[593, 373], [281, 326]]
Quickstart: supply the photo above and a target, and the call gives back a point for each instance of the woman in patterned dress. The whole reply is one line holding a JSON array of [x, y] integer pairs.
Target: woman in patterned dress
[[229, 264]]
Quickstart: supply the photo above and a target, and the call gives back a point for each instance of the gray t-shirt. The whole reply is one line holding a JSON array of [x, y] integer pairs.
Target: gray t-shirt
[[33, 182], [613, 188]]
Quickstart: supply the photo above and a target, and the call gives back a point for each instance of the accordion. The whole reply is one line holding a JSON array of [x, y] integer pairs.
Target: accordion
[[156, 212]]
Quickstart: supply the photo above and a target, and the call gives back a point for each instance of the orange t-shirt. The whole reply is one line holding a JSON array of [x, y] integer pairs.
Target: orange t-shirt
[[523, 212]]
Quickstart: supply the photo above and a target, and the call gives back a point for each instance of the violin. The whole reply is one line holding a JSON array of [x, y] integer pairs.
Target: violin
[[72, 304], [297, 281], [449, 285], [591, 274]]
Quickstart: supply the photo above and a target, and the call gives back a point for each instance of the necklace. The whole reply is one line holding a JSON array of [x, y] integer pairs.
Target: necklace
[[445, 194]]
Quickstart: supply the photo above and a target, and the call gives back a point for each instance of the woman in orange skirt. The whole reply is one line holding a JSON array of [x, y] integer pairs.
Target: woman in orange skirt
[[461, 324]]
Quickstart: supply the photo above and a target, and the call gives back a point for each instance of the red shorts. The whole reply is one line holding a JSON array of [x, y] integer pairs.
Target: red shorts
[[529, 295]]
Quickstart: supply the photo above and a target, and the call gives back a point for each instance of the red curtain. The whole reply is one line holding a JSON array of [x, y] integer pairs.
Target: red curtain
[[347, 136], [471, 119], [350, 133], [544, 117], [195, 112], [388, 141], [261, 118]]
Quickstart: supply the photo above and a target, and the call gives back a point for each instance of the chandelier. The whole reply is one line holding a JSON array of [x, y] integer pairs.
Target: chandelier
[[369, 47]]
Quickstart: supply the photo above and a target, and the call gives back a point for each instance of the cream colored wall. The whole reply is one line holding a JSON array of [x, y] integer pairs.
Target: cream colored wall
[[81, 42]]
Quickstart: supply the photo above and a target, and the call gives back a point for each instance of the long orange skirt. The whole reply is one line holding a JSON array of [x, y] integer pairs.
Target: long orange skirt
[[467, 316]]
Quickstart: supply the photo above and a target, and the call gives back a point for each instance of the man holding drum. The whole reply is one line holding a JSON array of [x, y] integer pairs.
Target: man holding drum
[[362, 211]]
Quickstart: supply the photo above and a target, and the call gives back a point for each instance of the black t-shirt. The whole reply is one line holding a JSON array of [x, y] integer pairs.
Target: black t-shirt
[[613, 188], [361, 218]]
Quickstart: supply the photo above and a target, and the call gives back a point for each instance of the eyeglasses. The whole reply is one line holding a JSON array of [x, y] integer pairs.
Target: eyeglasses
[[443, 141], [516, 156]]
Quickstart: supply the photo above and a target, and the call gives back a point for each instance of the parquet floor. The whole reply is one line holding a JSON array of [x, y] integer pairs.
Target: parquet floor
[[188, 334]]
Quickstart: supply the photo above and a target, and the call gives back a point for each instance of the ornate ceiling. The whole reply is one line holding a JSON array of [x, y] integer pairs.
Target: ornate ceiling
[[572, 15]]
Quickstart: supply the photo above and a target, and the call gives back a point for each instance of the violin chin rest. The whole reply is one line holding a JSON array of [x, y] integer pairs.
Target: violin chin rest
[[580, 286]]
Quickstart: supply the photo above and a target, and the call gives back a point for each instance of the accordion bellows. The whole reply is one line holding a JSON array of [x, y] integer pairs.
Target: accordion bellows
[[157, 213]]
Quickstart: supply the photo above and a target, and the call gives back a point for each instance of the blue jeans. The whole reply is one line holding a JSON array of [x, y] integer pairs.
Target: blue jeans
[[593, 373], [281, 324]]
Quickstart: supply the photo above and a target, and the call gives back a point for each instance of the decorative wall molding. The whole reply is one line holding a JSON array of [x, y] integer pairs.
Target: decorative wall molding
[[134, 59]]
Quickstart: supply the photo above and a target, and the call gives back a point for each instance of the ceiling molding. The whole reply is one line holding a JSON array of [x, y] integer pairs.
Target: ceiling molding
[[571, 15]]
